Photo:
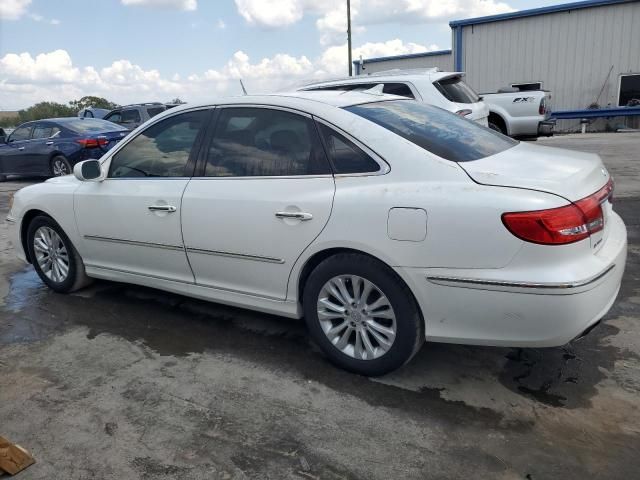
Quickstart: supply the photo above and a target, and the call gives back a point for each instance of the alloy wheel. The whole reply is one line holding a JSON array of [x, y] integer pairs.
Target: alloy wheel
[[356, 316], [51, 254], [60, 168]]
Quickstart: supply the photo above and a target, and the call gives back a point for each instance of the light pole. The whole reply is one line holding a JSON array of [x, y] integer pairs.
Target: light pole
[[349, 36]]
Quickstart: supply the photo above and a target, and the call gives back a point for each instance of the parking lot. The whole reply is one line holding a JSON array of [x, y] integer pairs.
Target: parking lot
[[118, 381]]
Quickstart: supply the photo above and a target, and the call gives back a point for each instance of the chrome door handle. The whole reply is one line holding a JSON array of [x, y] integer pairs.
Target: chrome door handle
[[49, 143], [20, 148], [295, 215], [162, 208]]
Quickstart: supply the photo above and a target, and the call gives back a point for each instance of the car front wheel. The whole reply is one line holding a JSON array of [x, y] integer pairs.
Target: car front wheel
[[362, 315], [54, 257]]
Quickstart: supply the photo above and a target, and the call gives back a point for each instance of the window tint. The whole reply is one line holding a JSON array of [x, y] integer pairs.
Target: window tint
[[20, 133], [440, 132], [455, 90], [114, 117], [130, 116], [345, 156], [162, 150], [256, 142], [398, 89], [153, 111], [42, 131]]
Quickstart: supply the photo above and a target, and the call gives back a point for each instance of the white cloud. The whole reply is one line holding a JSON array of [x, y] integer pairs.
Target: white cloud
[[271, 13], [332, 14], [39, 18], [178, 4], [13, 9], [52, 76]]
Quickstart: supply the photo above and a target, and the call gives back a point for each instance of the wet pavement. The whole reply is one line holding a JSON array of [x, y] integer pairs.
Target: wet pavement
[[117, 381]]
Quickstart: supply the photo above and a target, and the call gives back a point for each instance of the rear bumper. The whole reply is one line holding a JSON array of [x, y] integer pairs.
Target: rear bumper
[[495, 307], [545, 129]]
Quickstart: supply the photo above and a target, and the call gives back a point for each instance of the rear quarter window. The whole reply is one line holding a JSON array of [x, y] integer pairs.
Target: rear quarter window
[[440, 132]]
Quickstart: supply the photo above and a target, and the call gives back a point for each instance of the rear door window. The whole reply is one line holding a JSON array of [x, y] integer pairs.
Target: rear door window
[[456, 90], [264, 142], [442, 133], [42, 131]]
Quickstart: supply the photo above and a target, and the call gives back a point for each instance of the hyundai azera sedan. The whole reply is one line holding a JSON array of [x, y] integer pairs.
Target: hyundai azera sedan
[[51, 147], [382, 221]]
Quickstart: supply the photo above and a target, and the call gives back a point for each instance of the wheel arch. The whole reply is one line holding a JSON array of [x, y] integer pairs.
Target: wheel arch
[[316, 258], [24, 227], [498, 120]]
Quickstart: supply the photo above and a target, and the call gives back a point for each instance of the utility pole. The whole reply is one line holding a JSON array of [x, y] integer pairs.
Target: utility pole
[[349, 36]]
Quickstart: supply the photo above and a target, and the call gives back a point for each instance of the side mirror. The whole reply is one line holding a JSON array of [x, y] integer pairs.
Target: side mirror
[[88, 171]]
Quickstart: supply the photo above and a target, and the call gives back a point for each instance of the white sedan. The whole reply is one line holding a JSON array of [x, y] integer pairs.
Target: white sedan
[[380, 220]]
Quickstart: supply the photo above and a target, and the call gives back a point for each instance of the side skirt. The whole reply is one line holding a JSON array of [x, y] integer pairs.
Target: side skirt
[[285, 308]]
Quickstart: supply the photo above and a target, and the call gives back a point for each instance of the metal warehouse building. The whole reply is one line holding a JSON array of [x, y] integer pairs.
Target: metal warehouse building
[[586, 53]]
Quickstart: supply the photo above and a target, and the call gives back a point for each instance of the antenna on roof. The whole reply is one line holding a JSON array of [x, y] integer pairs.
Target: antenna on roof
[[244, 90]]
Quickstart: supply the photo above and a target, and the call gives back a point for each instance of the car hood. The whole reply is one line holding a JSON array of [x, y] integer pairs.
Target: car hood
[[570, 174], [66, 179]]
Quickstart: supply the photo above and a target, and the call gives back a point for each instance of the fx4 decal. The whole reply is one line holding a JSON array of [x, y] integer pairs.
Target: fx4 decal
[[524, 100]]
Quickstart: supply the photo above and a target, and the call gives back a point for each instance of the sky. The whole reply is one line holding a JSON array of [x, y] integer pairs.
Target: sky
[[156, 50]]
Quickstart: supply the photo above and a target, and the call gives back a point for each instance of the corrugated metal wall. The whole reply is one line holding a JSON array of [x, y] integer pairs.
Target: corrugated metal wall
[[443, 62], [570, 52]]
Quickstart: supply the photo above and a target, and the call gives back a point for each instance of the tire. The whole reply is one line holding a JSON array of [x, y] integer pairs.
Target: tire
[[495, 127], [46, 232], [407, 322], [60, 166]]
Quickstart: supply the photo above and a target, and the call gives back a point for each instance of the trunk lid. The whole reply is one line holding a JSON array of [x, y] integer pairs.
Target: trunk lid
[[567, 173]]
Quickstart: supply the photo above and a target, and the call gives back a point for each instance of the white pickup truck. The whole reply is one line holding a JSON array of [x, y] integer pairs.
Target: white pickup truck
[[520, 113], [514, 113]]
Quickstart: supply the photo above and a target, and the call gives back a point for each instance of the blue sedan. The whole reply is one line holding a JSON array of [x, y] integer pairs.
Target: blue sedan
[[52, 147]]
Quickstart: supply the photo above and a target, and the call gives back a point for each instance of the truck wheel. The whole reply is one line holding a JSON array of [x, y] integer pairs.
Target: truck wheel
[[495, 127]]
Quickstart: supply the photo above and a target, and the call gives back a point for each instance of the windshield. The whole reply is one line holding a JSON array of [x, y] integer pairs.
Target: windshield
[[92, 125], [440, 132], [456, 90]]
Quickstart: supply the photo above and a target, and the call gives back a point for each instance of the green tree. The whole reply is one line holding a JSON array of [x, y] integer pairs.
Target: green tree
[[91, 101], [45, 110], [177, 101]]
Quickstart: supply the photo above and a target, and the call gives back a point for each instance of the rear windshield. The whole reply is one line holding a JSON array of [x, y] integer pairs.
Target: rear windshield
[[455, 90], [440, 132], [91, 125]]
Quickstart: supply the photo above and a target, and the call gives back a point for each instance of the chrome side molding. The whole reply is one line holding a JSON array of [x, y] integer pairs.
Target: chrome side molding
[[479, 283]]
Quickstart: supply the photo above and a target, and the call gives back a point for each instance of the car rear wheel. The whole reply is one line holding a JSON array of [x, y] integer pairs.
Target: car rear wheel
[[60, 166], [54, 257], [362, 315]]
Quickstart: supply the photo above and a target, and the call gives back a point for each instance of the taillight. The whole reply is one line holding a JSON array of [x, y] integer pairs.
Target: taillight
[[93, 142], [559, 226], [464, 113], [542, 109]]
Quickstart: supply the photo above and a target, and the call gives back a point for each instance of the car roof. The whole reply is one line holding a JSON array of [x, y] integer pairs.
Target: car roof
[[389, 76], [335, 98]]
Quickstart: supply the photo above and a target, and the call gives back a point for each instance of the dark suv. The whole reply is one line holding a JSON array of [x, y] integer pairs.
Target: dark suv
[[131, 116]]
